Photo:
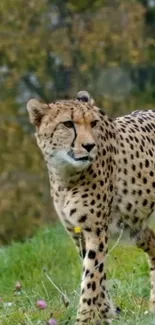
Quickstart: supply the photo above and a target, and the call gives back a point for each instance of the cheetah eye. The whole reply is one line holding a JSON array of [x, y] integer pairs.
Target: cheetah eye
[[94, 123], [69, 124]]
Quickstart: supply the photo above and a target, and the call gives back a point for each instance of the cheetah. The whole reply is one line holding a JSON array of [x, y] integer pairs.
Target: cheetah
[[102, 177]]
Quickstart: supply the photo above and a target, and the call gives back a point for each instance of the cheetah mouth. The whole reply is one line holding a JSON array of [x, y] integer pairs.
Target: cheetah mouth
[[84, 158]]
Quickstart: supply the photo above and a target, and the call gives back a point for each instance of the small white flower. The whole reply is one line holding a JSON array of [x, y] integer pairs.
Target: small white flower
[[146, 312]]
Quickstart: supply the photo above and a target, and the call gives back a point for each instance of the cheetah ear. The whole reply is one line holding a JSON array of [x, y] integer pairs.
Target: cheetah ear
[[36, 110], [84, 96]]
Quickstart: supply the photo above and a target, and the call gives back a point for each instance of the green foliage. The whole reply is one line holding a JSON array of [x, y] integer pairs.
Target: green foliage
[[127, 273], [51, 50]]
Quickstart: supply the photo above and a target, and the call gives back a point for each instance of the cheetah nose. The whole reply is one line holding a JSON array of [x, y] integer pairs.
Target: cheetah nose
[[88, 146]]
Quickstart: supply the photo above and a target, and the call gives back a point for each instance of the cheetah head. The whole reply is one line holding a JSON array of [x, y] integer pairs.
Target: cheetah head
[[66, 131]]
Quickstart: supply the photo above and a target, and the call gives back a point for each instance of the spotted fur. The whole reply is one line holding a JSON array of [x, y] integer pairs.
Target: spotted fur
[[102, 176]]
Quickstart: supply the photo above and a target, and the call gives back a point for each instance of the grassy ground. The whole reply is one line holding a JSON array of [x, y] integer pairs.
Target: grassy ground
[[53, 251]]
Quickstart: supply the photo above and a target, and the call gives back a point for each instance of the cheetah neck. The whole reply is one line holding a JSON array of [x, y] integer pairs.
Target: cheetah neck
[[64, 178]]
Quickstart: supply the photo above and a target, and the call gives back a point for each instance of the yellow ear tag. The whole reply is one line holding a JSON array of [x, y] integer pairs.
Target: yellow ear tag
[[77, 230]]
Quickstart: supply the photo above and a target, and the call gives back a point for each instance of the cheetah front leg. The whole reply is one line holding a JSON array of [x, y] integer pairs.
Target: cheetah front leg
[[146, 241], [95, 303]]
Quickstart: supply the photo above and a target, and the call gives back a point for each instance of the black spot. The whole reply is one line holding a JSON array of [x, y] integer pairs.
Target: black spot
[[146, 163], [101, 280], [84, 196], [98, 231], [101, 246], [75, 192], [141, 165], [87, 229], [125, 183], [150, 152], [98, 196], [96, 263], [92, 202], [83, 218], [72, 211], [125, 171], [105, 227], [102, 295], [133, 167], [137, 154], [94, 186], [98, 214], [135, 220], [91, 254], [133, 180], [89, 302], [83, 253], [145, 202], [145, 180], [139, 175], [141, 148], [91, 171], [94, 300], [101, 268], [129, 206], [93, 286], [88, 285]]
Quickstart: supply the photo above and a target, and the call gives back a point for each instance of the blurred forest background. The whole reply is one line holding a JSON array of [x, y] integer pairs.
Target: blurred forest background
[[51, 49]]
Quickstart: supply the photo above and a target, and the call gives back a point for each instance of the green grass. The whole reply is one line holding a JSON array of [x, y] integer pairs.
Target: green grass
[[52, 250]]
